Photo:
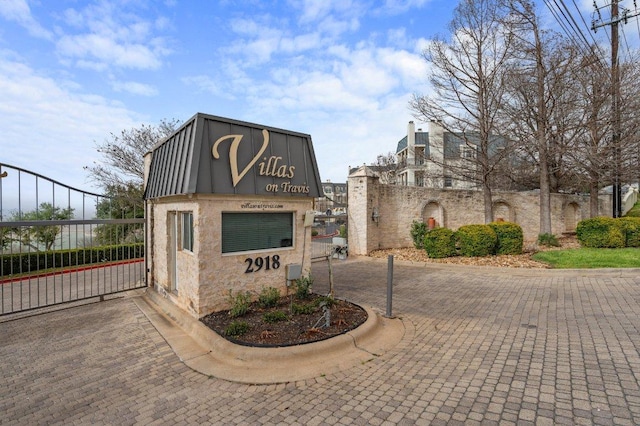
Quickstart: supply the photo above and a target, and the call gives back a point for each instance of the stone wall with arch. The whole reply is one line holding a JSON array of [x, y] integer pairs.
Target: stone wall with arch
[[433, 210], [572, 216], [396, 207], [502, 210]]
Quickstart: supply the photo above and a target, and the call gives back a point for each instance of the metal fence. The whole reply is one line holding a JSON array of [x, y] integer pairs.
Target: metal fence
[[60, 244], [328, 241]]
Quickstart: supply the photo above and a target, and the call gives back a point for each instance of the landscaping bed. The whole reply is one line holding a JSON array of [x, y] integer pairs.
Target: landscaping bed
[[290, 321]]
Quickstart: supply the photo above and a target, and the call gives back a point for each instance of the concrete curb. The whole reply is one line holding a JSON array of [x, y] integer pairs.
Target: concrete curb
[[205, 351]]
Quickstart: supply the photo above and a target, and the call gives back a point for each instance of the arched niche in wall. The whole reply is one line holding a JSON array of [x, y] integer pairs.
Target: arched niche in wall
[[503, 211], [571, 213], [433, 209]]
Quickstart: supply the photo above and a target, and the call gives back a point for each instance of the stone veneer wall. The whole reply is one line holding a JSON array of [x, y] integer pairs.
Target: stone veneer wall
[[205, 275], [398, 206]]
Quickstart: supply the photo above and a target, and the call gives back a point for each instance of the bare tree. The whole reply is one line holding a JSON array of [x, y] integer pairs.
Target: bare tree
[[594, 155], [559, 105], [629, 106], [468, 84], [386, 167], [592, 149], [531, 98], [543, 104], [121, 174], [123, 154]]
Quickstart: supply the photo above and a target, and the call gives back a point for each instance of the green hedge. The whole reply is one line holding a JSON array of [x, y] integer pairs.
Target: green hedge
[[439, 243], [510, 237], [631, 229], [601, 232], [476, 240], [418, 232], [18, 263]]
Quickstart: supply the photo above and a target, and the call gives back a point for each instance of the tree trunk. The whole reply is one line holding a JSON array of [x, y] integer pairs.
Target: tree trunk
[[593, 199], [488, 203], [543, 155]]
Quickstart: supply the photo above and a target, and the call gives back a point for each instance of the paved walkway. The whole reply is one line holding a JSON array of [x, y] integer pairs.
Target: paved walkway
[[490, 346]]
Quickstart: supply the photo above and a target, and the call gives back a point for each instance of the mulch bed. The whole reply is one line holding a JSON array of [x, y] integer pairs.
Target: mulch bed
[[296, 329]]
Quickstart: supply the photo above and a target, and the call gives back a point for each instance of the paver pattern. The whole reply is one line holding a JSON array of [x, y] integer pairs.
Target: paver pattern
[[483, 346]]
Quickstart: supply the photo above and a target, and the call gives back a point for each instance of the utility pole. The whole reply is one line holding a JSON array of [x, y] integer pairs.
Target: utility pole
[[615, 94]]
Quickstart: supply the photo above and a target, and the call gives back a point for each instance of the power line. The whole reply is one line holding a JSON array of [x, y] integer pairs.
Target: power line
[[621, 15], [567, 22], [635, 6], [626, 43], [574, 24], [584, 22], [593, 19], [564, 23]]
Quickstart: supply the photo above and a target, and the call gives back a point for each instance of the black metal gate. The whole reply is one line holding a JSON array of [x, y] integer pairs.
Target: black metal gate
[[59, 244], [329, 237]]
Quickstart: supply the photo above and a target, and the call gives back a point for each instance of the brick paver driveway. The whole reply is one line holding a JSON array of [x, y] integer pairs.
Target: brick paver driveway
[[483, 346]]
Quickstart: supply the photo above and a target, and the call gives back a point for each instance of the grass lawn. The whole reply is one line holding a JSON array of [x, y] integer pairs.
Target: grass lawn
[[591, 258]]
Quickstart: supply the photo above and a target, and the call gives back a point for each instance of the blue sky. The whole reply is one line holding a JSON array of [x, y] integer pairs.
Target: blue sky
[[73, 71]]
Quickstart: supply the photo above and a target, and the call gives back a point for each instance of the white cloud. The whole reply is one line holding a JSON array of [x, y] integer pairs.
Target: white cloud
[[395, 7], [336, 27], [134, 88], [47, 127], [354, 102], [314, 10], [208, 85], [300, 43], [410, 67], [318, 10], [19, 11], [100, 49], [107, 34], [365, 75], [318, 68]]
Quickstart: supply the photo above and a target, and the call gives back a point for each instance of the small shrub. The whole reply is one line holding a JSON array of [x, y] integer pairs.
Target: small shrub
[[548, 240], [236, 328], [418, 232], [600, 232], [239, 304], [510, 237], [303, 287], [327, 300], [343, 231], [274, 316], [631, 229], [314, 233], [297, 309], [439, 243], [269, 297], [476, 240]]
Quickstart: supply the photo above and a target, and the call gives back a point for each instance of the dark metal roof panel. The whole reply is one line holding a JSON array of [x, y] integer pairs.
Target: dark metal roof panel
[[422, 139], [170, 171], [402, 144], [282, 161]]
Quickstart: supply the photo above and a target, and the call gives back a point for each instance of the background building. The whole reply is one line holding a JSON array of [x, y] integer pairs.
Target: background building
[[334, 198], [437, 158]]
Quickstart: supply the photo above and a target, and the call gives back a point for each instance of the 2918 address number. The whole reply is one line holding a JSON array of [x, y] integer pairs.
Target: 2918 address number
[[267, 262]]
